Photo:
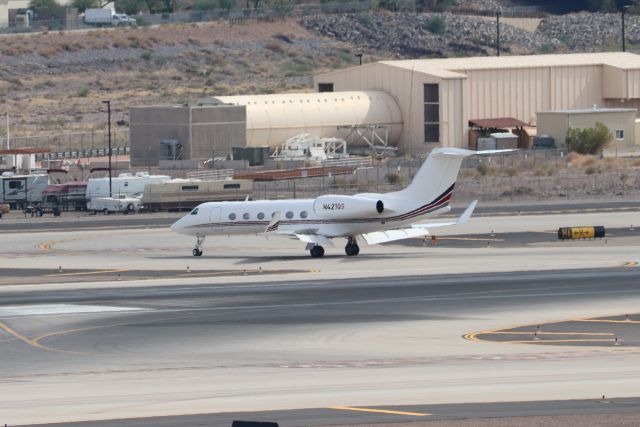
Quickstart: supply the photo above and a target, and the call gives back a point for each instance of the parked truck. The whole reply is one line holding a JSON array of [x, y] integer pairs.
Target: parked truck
[[107, 18]]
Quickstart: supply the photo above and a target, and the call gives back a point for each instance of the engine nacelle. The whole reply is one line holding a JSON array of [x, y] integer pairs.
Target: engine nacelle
[[345, 207]]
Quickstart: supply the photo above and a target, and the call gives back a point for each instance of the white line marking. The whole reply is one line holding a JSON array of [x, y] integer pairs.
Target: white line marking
[[60, 309]]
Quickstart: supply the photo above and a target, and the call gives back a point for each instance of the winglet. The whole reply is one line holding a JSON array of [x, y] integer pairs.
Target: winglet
[[467, 213], [274, 223]]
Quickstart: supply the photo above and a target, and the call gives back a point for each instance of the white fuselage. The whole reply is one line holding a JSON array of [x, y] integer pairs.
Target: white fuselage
[[298, 215]]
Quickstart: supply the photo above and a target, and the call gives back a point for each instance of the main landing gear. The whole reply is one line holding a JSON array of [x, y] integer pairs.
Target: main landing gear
[[316, 251], [197, 251], [352, 248]]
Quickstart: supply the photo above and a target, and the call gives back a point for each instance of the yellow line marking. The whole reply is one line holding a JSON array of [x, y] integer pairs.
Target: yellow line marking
[[380, 411], [28, 341], [557, 341], [85, 273], [630, 264], [545, 333], [605, 321]]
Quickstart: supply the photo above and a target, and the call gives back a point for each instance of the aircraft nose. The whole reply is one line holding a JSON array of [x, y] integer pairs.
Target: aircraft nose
[[176, 226]]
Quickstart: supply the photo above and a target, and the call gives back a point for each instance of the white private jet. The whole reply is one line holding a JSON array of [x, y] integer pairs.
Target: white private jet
[[374, 218]]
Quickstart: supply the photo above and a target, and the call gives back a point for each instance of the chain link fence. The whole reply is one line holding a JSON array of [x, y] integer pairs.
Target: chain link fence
[[83, 144]]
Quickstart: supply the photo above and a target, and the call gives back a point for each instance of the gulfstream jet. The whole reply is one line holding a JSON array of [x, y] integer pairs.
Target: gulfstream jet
[[369, 217]]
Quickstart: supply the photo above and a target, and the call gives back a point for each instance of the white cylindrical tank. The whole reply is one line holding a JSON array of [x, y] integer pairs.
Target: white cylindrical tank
[[271, 119]]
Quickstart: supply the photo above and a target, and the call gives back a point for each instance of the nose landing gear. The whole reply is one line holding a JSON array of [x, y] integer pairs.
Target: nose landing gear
[[197, 251], [316, 251], [352, 248]]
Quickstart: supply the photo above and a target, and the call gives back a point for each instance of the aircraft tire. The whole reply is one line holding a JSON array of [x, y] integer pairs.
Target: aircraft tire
[[317, 251], [197, 252], [351, 249]]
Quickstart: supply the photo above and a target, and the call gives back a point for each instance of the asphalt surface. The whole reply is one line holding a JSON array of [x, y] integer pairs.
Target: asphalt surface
[[67, 332], [387, 414], [18, 223]]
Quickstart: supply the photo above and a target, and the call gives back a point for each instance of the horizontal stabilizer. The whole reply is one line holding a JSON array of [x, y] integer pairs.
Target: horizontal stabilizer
[[391, 235], [416, 230]]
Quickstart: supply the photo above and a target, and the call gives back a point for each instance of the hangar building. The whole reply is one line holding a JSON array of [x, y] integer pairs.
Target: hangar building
[[421, 103], [438, 97]]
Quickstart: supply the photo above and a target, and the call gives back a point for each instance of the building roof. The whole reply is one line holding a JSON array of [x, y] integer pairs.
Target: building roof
[[593, 111], [456, 67], [501, 122]]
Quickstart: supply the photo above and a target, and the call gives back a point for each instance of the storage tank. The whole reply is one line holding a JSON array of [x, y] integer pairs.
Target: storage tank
[[271, 119]]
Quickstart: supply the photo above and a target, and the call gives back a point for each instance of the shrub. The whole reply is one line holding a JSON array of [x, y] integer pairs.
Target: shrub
[[274, 47], [394, 178], [511, 171], [589, 140], [83, 92], [146, 56], [591, 170], [206, 5], [364, 19], [486, 169], [392, 5], [434, 25]]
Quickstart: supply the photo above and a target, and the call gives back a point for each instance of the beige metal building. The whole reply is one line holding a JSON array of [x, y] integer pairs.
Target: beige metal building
[[438, 97], [620, 121]]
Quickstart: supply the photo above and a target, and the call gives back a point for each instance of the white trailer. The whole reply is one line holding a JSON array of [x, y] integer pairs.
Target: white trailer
[[124, 185], [108, 205], [22, 190]]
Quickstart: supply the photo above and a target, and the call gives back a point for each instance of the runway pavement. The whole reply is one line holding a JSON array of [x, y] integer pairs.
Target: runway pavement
[[143, 351]]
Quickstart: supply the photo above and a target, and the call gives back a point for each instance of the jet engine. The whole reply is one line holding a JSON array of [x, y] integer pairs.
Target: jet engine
[[346, 207]]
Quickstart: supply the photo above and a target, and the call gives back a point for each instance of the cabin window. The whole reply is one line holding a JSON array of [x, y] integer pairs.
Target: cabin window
[[261, 215], [303, 214], [289, 215], [232, 216], [190, 188], [228, 186], [194, 212], [245, 215]]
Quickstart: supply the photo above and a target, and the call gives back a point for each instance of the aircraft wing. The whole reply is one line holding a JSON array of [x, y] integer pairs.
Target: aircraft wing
[[416, 230], [315, 239]]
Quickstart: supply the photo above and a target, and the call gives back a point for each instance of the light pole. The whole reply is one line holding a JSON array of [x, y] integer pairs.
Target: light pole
[[498, 13], [624, 9], [109, 127]]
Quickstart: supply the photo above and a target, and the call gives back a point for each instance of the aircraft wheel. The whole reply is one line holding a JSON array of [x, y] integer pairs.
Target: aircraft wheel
[[317, 251], [351, 249], [197, 252]]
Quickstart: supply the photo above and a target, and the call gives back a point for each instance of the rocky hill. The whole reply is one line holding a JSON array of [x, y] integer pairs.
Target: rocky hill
[[55, 82]]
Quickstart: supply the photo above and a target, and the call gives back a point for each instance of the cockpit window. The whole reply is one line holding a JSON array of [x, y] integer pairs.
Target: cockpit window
[[194, 212]]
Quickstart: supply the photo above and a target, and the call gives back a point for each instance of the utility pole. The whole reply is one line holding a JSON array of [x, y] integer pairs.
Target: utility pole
[[624, 9], [498, 13], [8, 147], [109, 127]]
